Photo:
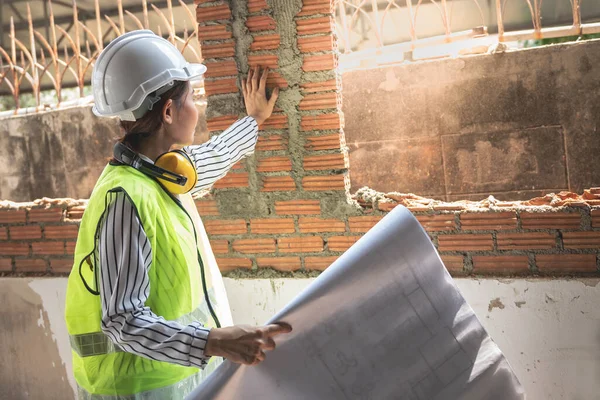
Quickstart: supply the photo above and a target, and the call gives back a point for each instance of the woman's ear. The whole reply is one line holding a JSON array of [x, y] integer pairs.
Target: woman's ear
[[167, 112]]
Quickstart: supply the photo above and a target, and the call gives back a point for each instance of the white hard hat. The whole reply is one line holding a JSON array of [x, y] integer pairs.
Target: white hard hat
[[134, 70]]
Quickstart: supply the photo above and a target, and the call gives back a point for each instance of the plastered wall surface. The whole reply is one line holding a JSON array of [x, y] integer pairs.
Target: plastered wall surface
[[548, 329]]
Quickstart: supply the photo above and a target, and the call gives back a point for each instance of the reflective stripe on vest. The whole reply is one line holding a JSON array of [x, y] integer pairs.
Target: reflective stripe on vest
[[96, 343], [178, 390]]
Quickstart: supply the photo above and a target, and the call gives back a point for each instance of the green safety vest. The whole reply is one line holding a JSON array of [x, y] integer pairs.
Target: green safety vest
[[185, 286]]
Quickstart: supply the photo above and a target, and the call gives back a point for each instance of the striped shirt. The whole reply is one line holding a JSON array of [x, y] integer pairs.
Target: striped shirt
[[126, 256]]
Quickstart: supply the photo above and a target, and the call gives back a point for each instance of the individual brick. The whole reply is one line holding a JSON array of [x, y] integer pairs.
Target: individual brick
[[596, 218], [525, 241], [323, 86], [325, 161], [6, 264], [311, 7], [48, 248], [13, 217], [220, 86], [319, 263], [257, 5], [31, 265], [386, 206], [25, 232], [318, 225], [363, 223], [274, 164], [220, 69], [274, 79], [272, 225], [3, 233], [326, 142], [221, 50], [232, 180], [319, 101], [323, 182], [14, 249], [214, 32], [315, 44], [448, 207], [438, 222], [321, 62], [213, 13], [501, 265], [61, 265], [341, 243], [52, 214], [279, 263], [225, 226], [465, 242], [231, 263], [454, 264], [270, 143], [566, 263], [219, 246], [581, 240], [312, 26], [260, 23], [547, 220], [320, 122], [221, 123], [308, 244], [61, 231], [297, 207], [207, 207], [75, 212], [254, 245], [488, 221], [277, 183], [263, 60], [275, 121], [265, 42]]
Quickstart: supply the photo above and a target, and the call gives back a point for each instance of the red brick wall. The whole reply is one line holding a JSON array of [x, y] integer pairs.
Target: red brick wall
[[472, 238], [288, 207]]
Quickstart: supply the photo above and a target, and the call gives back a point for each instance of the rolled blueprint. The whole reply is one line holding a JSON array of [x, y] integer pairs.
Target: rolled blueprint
[[384, 321]]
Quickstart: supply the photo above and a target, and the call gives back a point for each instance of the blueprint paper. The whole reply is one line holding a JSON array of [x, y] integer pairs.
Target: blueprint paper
[[385, 321]]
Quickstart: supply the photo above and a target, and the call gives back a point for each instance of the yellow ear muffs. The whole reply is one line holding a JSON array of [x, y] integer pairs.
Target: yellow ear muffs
[[177, 162]]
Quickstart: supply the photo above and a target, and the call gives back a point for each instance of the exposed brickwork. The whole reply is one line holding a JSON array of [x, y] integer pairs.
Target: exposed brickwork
[[297, 207], [319, 225], [466, 242], [302, 219], [499, 265], [308, 244], [279, 263]]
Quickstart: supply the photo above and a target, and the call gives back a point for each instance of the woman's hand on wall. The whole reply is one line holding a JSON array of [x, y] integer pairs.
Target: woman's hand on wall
[[255, 96], [244, 344]]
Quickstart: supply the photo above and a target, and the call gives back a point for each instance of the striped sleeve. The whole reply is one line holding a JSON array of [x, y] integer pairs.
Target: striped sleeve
[[125, 258], [214, 158]]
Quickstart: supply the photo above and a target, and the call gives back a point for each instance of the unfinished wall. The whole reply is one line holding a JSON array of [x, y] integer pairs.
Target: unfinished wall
[[554, 235], [515, 125]]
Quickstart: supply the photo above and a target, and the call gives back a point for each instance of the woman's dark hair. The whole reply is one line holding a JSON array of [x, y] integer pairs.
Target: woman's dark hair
[[136, 131]]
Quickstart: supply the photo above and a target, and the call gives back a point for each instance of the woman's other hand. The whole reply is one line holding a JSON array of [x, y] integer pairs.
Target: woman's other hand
[[244, 344]]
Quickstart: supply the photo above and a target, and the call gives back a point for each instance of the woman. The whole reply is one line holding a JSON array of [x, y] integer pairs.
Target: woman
[[146, 308]]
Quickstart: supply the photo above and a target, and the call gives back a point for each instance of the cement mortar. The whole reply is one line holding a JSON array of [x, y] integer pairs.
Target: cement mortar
[[268, 273], [225, 104], [241, 203], [243, 38]]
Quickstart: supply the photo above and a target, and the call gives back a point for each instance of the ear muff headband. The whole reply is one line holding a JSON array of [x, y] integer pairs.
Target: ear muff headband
[[174, 169]]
